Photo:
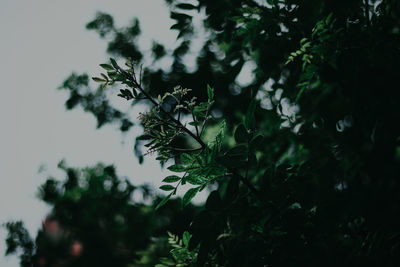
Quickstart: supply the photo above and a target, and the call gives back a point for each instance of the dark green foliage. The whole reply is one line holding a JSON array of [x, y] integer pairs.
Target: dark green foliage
[[18, 240], [158, 51], [95, 222], [304, 165], [92, 101]]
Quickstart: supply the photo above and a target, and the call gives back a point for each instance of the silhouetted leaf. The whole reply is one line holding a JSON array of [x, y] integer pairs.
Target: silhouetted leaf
[[241, 135]]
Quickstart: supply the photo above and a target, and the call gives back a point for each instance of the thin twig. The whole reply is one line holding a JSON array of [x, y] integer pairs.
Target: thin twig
[[195, 122], [177, 122], [185, 149], [204, 122], [366, 7]]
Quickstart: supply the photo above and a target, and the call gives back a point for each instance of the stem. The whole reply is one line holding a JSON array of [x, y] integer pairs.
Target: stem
[[366, 10], [204, 122], [177, 122], [250, 186], [186, 149], [195, 121], [140, 74]]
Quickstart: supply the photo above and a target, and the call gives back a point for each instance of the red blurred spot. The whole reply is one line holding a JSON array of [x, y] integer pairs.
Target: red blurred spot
[[76, 249], [52, 228], [42, 261]]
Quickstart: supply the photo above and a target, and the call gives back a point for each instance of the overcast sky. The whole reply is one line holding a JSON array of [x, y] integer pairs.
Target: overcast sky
[[42, 42]]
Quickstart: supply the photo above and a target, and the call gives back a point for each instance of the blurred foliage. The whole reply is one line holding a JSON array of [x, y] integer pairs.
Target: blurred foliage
[[94, 221], [304, 165]]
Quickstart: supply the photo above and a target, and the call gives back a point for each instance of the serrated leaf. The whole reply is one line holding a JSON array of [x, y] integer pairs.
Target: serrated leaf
[[176, 168], [167, 187], [162, 202], [210, 93], [171, 179], [241, 134], [189, 195], [220, 135], [249, 120], [106, 67]]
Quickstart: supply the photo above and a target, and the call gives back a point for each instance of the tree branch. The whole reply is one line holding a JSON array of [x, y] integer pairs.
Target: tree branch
[[177, 122]]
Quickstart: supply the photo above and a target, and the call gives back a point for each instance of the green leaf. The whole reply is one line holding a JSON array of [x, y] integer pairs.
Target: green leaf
[[220, 135], [162, 202], [176, 168], [171, 179], [186, 238], [249, 120], [232, 190], [328, 20], [99, 80], [167, 261], [194, 180], [200, 111], [237, 150], [241, 134], [186, 158], [195, 123], [256, 141], [302, 41], [210, 93], [106, 67], [186, 6], [235, 157], [114, 63], [167, 187], [189, 195], [112, 74]]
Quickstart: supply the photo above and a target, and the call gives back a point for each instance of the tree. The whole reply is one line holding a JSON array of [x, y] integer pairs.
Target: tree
[[95, 222], [305, 173]]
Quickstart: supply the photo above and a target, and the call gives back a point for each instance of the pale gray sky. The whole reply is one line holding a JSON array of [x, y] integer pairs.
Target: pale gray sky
[[42, 42]]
